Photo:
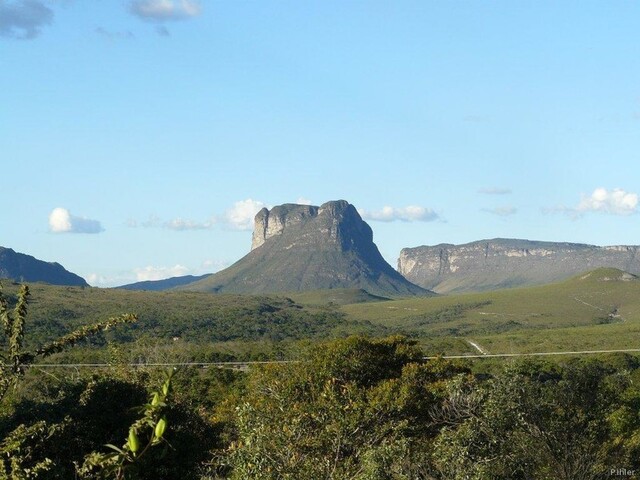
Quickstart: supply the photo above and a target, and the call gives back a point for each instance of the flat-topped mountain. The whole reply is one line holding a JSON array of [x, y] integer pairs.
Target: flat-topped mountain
[[25, 268], [303, 247], [503, 263]]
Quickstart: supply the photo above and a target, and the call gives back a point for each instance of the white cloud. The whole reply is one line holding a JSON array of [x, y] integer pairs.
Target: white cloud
[[303, 201], [62, 221], [211, 266], [241, 215], [165, 10], [501, 211], [23, 19], [159, 273], [152, 222], [177, 224], [411, 213], [495, 191], [100, 280], [184, 224], [615, 202]]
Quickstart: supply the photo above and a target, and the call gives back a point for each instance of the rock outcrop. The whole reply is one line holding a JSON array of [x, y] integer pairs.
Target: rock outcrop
[[503, 263], [25, 268], [303, 247]]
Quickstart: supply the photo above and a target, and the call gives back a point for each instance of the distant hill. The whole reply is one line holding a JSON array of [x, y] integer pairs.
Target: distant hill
[[25, 268], [299, 248], [335, 296], [503, 263], [595, 310], [165, 284]]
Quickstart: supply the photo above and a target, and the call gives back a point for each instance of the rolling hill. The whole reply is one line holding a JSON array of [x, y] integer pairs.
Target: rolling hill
[[597, 309], [594, 310]]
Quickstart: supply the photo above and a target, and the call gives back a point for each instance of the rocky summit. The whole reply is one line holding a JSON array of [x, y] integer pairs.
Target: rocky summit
[[25, 268], [503, 263], [303, 247]]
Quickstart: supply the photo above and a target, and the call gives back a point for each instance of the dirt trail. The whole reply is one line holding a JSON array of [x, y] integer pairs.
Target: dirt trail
[[477, 347]]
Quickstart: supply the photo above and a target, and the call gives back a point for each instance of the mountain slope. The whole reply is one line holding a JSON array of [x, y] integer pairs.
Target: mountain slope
[[25, 268], [599, 309], [165, 284], [301, 247], [502, 263]]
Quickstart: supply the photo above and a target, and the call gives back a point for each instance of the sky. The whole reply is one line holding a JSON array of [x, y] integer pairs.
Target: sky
[[139, 138]]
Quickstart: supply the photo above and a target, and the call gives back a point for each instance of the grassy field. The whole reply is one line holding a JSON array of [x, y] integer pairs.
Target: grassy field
[[597, 310]]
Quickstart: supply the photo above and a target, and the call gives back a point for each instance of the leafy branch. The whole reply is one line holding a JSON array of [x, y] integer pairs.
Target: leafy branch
[[146, 432], [15, 359]]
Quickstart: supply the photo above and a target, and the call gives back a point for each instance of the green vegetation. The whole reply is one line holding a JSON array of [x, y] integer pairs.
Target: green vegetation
[[597, 310], [335, 296], [600, 310], [145, 433], [365, 407], [191, 317]]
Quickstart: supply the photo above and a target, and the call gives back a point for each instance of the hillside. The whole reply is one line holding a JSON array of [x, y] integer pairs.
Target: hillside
[[300, 248], [25, 268], [165, 284], [505, 263], [191, 317], [597, 309]]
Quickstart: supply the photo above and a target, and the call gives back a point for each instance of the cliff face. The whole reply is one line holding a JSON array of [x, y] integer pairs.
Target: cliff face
[[269, 223], [25, 268], [334, 225], [502, 263], [303, 247]]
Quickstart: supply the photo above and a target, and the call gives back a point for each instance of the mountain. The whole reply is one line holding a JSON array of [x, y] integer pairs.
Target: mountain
[[165, 284], [302, 247], [25, 268], [502, 263]]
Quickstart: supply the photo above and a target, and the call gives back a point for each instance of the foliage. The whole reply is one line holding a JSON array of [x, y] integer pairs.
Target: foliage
[[359, 408], [144, 433], [15, 359], [17, 449], [190, 317], [530, 422], [20, 444], [346, 412]]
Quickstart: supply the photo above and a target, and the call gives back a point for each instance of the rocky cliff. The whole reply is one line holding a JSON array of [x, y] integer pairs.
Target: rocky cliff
[[502, 263], [303, 247], [25, 268]]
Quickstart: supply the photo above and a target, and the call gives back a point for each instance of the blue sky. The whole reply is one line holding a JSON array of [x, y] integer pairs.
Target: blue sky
[[138, 138]]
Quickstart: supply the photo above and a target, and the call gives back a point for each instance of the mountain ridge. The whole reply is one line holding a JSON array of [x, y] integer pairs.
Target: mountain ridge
[[503, 263], [21, 267]]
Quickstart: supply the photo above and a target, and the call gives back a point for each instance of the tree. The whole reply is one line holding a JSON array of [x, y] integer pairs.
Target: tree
[[355, 408], [532, 421]]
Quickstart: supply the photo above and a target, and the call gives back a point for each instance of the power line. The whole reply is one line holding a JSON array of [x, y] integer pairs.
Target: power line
[[157, 364], [534, 354], [275, 362]]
